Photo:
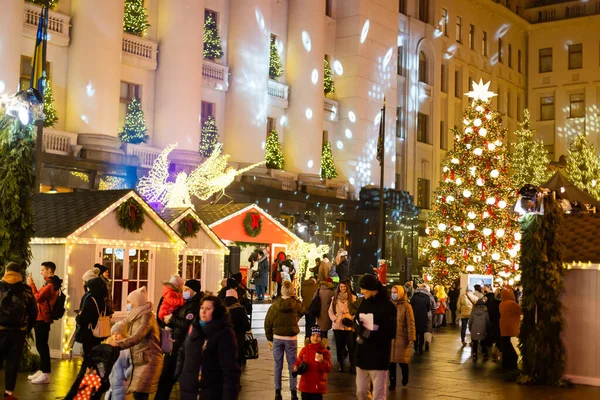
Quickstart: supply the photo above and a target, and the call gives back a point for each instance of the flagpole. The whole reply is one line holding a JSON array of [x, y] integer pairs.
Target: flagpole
[[39, 137], [381, 236]]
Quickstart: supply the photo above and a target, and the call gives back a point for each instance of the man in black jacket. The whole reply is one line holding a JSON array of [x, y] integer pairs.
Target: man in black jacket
[[453, 295], [17, 317], [376, 327]]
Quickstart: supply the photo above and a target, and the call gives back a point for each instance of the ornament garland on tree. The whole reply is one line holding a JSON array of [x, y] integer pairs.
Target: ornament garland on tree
[[209, 138], [135, 20], [130, 216], [328, 170], [253, 224], [275, 65], [273, 153], [328, 84], [529, 159], [134, 130], [212, 41], [188, 227], [472, 228], [49, 111], [583, 166]]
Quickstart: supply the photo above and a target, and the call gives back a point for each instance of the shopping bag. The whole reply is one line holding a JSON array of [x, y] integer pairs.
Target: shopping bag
[[250, 347]]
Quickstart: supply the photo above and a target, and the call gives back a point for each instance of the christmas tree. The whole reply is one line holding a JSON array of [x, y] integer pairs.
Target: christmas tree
[[209, 137], [328, 170], [529, 159], [136, 17], [212, 41], [275, 66], [274, 155], [50, 3], [583, 166], [472, 228], [49, 110], [134, 130], [328, 84]]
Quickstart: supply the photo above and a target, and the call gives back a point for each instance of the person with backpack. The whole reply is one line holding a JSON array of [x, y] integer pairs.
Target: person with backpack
[[92, 308], [18, 314], [46, 299]]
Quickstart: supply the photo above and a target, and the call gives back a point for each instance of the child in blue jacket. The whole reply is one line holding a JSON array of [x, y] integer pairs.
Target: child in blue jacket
[[122, 369]]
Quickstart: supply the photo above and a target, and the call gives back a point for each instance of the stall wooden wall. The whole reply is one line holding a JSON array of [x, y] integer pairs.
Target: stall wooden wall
[[214, 272]]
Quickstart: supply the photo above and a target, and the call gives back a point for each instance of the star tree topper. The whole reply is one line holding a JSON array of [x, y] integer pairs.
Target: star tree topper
[[481, 91]]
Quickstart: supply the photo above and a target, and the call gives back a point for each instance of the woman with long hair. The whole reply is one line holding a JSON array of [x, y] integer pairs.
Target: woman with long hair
[[339, 313]]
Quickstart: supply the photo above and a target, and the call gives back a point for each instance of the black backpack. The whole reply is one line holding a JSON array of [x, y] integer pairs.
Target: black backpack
[[314, 308], [12, 306], [58, 311]]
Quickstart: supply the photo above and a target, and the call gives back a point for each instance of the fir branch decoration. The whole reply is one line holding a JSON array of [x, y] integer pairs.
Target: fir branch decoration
[[130, 216], [328, 84], [209, 137], [583, 166], [188, 227], [328, 170], [134, 130], [135, 20], [50, 117], [273, 153], [275, 65], [42, 3], [253, 224], [212, 41], [529, 159]]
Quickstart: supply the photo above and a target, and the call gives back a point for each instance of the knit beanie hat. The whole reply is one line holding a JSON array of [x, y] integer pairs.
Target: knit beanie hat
[[369, 282], [194, 285], [315, 330], [90, 274], [101, 268], [231, 293], [138, 297], [287, 289], [231, 283], [119, 327]]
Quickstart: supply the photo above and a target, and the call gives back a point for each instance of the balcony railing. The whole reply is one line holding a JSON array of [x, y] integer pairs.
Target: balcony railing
[[217, 75], [58, 24], [332, 109], [147, 155], [278, 90], [57, 142], [139, 51]]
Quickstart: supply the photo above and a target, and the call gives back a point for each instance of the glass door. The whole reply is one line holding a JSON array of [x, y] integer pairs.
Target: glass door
[[126, 279]]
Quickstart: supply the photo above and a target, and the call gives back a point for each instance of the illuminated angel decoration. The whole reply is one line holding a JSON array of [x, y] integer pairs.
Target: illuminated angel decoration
[[211, 177]]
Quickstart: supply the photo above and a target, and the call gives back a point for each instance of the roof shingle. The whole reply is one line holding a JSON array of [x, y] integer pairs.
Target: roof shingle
[[581, 238]]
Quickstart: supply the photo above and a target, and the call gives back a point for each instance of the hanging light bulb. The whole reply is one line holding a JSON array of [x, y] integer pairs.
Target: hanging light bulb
[[435, 244], [491, 146], [457, 228], [502, 204], [468, 146], [469, 130], [480, 182], [517, 236], [496, 256], [516, 269], [471, 226], [467, 193], [454, 161], [450, 261], [482, 132], [450, 199], [512, 253], [487, 231], [445, 169], [477, 122], [498, 143], [452, 241], [471, 215], [488, 116], [478, 151], [479, 109], [442, 227], [494, 173], [500, 232], [486, 214], [490, 200]]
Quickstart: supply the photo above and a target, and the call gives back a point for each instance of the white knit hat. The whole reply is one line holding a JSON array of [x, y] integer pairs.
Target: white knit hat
[[138, 297], [119, 327], [90, 274]]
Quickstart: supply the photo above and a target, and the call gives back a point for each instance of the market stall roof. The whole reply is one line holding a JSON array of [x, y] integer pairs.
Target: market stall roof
[[174, 215], [227, 221], [581, 238], [571, 192]]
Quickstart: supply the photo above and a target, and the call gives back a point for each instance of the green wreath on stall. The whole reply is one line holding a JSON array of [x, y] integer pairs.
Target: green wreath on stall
[[253, 224], [130, 216], [188, 227]]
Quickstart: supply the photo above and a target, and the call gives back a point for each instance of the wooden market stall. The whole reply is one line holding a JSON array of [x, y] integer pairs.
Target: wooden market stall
[[77, 230]]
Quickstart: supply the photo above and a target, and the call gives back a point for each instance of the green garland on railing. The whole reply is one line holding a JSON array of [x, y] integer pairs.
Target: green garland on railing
[[130, 216]]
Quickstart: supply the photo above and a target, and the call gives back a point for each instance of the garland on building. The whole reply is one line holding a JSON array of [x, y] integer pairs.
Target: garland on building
[[328, 84], [130, 216], [529, 159], [253, 224], [275, 65], [328, 170], [542, 350], [42, 3], [583, 166], [273, 153], [49, 110], [134, 130], [209, 138], [188, 227], [212, 41], [135, 20], [472, 228]]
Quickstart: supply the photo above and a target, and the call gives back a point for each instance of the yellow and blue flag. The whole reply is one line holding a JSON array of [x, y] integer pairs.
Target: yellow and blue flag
[[39, 55]]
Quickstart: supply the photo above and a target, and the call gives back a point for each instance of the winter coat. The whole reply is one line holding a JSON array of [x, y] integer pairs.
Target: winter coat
[[374, 351], [14, 281], [283, 316], [493, 309], [172, 299], [46, 297], [441, 310], [510, 314], [88, 315], [214, 349], [465, 306], [239, 321], [325, 293], [343, 270], [324, 269], [479, 321], [421, 305], [263, 270], [314, 380], [338, 310], [308, 289], [119, 375], [405, 332], [108, 300], [183, 318], [144, 345]]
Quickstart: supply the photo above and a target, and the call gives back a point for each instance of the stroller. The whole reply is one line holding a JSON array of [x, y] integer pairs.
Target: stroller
[[101, 359]]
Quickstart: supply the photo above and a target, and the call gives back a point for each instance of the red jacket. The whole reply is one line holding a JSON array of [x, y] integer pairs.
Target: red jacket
[[46, 298], [314, 380]]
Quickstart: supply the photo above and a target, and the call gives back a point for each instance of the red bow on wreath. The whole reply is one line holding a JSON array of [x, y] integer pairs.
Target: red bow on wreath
[[189, 224], [132, 210], [255, 220]]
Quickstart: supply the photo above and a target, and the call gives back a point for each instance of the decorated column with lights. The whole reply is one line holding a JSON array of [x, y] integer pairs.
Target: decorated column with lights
[[11, 21], [304, 71], [179, 75], [473, 228], [95, 67], [248, 39]]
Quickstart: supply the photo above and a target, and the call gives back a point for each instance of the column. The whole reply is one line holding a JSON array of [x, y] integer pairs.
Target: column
[[95, 67], [247, 99], [304, 71], [11, 31], [178, 102]]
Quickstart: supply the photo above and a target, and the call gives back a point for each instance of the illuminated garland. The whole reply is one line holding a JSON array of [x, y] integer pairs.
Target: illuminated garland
[[273, 153], [130, 216], [135, 20], [275, 65], [212, 41], [328, 170], [188, 227], [50, 116], [134, 130], [253, 224]]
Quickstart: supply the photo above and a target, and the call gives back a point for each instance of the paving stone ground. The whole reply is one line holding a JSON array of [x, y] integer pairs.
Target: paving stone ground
[[446, 372]]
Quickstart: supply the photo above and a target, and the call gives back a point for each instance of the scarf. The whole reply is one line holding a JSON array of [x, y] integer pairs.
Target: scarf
[[137, 312], [343, 297]]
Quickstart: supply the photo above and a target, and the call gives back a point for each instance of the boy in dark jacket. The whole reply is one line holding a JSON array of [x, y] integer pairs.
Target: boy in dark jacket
[[313, 382]]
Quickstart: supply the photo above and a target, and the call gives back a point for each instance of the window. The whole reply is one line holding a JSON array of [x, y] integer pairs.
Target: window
[[519, 61], [500, 50], [325, 137], [208, 110], [422, 131], [25, 75], [129, 270], [472, 37], [329, 8], [444, 77], [423, 193], [424, 11], [547, 108], [457, 84], [500, 100], [459, 29], [577, 106], [212, 13], [270, 125], [401, 60], [519, 111], [422, 67], [509, 104], [484, 44], [444, 22], [193, 267], [545, 59], [402, 6], [510, 56], [575, 56], [443, 136], [128, 92], [399, 121]]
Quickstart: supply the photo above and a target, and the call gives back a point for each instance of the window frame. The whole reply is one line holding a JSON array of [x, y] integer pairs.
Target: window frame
[[574, 53], [472, 36], [399, 123], [422, 71], [458, 29], [547, 105], [543, 66], [402, 7], [445, 19], [423, 128], [424, 11], [519, 60], [510, 63], [500, 51], [423, 193], [444, 77], [182, 266], [443, 135], [484, 44], [580, 102], [400, 70], [457, 84], [207, 105]]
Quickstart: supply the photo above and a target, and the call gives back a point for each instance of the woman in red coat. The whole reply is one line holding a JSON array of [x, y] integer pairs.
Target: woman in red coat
[[276, 271], [313, 382]]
